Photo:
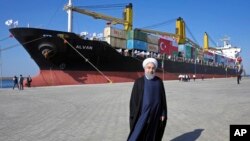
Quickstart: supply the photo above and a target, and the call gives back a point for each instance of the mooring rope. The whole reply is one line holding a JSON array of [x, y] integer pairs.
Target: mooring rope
[[12, 46], [5, 38], [86, 60]]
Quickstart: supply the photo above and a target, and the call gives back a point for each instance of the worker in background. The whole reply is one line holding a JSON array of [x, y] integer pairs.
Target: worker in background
[[239, 72], [15, 82], [29, 80], [20, 82]]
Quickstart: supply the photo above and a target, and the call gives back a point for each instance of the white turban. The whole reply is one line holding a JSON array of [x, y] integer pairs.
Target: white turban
[[150, 60]]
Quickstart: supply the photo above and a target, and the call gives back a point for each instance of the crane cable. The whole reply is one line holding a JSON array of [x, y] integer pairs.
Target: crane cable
[[5, 38], [160, 24], [86, 60], [189, 31], [210, 38], [12, 46]]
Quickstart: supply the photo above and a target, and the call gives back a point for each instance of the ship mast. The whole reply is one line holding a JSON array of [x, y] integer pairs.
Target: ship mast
[[225, 41], [70, 16]]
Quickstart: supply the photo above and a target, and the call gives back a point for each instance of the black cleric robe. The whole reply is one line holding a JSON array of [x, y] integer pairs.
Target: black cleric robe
[[147, 105]]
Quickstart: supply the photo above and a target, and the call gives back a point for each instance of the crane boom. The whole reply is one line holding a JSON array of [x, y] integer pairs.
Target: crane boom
[[192, 43], [126, 21], [166, 34], [99, 16], [157, 32], [180, 34]]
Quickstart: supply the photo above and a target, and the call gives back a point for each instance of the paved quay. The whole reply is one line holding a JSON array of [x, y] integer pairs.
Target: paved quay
[[200, 110]]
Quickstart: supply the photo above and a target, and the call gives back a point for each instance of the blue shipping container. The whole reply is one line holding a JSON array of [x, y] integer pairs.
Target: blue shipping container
[[136, 44], [186, 50], [194, 53], [216, 58]]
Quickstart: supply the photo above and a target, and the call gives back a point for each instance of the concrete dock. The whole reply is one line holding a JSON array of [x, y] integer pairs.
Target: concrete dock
[[200, 110]]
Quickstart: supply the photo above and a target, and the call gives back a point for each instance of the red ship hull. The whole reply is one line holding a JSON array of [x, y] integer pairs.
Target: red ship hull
[[58, 77]]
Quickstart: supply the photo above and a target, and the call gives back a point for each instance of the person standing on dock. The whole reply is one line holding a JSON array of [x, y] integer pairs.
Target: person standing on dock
[[15, 81], [239, 72], [202, 77], [148, 106], [29, 80], [194, 77], [20, 82]]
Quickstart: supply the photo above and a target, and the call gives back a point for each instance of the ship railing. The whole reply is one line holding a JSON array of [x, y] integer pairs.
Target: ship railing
[[143, 54], [135, 53]]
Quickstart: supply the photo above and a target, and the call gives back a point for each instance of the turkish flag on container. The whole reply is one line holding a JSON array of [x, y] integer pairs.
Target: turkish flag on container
[[167, 46]]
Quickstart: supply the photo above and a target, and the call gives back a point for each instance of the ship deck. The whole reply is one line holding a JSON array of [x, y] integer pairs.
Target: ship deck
[[200, 110]]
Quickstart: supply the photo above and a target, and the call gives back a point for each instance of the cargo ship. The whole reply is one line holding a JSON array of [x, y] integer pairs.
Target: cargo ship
[[66, 58]]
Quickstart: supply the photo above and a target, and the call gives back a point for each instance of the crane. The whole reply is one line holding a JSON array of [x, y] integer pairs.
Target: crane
[[180, 34], [126, 21], [206, 46]]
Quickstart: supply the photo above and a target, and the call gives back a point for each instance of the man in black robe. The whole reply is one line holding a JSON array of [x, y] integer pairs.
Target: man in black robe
[[148, 106]]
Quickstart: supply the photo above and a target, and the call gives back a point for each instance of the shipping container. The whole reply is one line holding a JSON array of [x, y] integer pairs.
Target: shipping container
[[226, 61], [137, 35], [223, 60], [152, 39], [208, 56], [116, 42], [217, 58], [114, 32], [136, 44], [200, 54], [194, 52], [186, 50], [175, 53], [231, 62], [153, 48], [181, 48]]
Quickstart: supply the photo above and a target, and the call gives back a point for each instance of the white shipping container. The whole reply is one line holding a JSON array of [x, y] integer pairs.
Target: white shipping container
[[116, 42], [168, 38], [173, 40], [152, 39], [208, 55], [113, 32], [153, 48]]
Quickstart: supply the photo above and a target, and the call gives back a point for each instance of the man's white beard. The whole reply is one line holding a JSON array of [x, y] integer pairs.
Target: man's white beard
[[149, 76]]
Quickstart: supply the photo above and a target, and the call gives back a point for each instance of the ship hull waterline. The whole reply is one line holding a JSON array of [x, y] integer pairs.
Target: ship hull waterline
[[58, 77]]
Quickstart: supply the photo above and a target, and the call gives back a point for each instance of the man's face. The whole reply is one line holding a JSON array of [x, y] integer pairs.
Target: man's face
[[150, 68]]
